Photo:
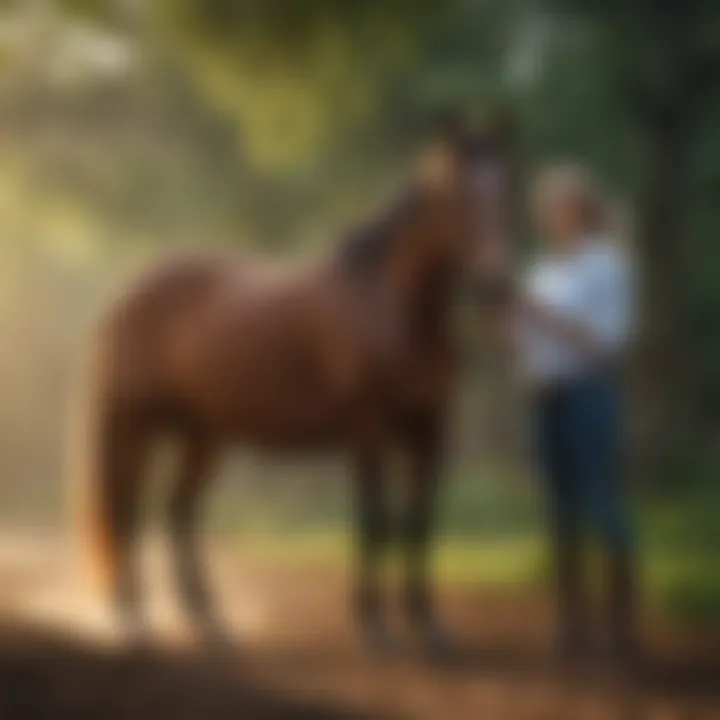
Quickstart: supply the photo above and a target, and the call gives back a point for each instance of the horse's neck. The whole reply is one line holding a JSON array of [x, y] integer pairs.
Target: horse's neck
[[434, 301], [424, 298], [394, 262]]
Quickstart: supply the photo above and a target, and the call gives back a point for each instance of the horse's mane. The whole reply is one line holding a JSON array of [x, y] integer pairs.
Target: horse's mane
[[364, 248]]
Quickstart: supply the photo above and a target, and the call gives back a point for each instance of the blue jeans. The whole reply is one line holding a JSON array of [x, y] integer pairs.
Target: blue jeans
[[579, 443], [579, 439]]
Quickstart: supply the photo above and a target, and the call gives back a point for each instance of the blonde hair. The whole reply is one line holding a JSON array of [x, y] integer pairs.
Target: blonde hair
[[573, 183]]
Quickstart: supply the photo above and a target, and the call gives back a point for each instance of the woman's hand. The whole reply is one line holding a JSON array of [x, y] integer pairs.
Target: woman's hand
[[569, 330]]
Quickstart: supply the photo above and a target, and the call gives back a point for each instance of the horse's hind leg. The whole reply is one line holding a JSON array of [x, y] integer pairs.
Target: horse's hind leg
[[126, 446], [197, 461]]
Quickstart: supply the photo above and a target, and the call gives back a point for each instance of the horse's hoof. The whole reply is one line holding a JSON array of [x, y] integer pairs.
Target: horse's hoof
[[436, 644], [213, 635], [136, 638], [622, 657], [378, 640]]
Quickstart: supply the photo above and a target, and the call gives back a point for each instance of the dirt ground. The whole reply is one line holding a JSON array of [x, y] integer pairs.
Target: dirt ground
[[294, 655]]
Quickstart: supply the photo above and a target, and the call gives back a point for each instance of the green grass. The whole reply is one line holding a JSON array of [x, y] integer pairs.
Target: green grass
[[507, 561], [493, 535], [681, 542], [679, 581]]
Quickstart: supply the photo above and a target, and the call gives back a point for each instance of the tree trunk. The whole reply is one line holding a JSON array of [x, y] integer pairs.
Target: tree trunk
[[662, 365]]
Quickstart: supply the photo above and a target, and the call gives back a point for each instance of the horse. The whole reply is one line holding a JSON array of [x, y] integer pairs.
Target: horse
[[351, 352]]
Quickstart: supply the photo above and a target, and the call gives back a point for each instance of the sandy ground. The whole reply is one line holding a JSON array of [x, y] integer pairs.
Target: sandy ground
[[294, 655]]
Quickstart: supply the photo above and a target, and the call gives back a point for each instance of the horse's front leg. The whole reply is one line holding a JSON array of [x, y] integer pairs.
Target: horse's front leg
[[372, 534], [425, 454]]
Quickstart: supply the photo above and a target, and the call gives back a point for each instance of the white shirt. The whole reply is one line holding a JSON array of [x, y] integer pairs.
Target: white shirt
[[594, 287]]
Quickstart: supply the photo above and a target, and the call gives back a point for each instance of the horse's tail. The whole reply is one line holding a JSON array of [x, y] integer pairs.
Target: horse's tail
[[91, 476]]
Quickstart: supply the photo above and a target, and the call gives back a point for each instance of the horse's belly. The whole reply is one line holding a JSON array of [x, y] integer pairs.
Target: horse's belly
[[311, 424], [292, 372], [291, 435], [278, 411]]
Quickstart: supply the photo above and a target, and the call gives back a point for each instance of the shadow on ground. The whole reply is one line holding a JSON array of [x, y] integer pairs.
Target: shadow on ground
[[680, 678], [48, 675]]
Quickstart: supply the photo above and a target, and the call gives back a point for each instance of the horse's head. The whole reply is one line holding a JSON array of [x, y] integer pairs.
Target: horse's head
[[467, 173]]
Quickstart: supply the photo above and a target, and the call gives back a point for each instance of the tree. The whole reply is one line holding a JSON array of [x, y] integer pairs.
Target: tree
[[664, 57]]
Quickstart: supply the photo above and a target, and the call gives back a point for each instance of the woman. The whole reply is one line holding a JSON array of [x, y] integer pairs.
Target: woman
[[575, 320]]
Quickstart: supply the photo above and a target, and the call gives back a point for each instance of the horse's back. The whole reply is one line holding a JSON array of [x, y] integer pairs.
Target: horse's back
[[274, 355], [267, 347]]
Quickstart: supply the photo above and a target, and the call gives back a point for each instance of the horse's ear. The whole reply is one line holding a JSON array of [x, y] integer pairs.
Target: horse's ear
[[439, 161], [438, 167]]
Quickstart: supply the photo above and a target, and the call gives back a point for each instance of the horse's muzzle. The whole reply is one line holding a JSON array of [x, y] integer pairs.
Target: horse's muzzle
[[494, 290]]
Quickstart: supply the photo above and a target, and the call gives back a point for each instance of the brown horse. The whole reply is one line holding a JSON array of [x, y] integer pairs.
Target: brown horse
[[353, 352]]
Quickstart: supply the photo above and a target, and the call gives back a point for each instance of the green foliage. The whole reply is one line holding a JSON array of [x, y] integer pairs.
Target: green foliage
[[275, 123], [680, 547], [292, 74]]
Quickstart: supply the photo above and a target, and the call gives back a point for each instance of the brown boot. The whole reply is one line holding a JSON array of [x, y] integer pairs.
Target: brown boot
[[572, 641], [622, 648]]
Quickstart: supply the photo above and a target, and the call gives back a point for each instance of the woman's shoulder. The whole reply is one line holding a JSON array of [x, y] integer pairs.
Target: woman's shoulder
[[606, 252], [608, 264]]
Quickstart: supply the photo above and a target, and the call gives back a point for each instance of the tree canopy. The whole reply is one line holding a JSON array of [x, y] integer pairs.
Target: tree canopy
[[275, 122]]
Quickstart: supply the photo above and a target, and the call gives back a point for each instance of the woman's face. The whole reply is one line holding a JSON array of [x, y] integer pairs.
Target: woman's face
[[559, 221]]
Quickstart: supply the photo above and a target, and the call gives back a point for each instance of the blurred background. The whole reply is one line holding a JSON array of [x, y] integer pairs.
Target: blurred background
[[132, 128]]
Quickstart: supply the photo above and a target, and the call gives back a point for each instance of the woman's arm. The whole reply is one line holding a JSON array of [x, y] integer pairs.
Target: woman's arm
[[575, 332], [600, 325]]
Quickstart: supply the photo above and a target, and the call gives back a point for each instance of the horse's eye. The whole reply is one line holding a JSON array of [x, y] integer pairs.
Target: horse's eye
[[488, 176]]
